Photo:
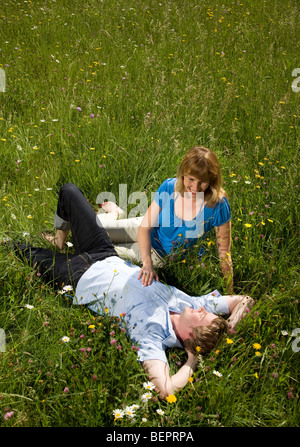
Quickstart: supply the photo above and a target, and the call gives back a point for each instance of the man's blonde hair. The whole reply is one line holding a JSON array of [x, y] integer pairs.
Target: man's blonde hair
[[201, 163], [205, 338]]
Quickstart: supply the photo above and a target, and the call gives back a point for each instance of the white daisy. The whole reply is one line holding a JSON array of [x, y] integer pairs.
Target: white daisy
[[217, 373], [129, 412], [29, 306], [65, 339], [160, 412], [148, 386], [118, 414], [146, 396]]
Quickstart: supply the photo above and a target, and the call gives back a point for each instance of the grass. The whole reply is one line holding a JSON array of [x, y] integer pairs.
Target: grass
[[108, 93]]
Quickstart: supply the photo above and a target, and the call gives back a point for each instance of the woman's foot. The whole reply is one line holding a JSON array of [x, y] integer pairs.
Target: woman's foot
[[112, 208], [58, 240]]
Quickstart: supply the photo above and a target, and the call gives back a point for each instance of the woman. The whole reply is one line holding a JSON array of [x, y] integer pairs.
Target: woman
[[184, 209], [178, 202]]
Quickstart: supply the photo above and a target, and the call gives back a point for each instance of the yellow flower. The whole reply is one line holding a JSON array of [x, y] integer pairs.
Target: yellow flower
[[256, 375], [191, 379], [198, 349], [270, 220], [91, 326], [171, 398], [258, 353], [256, 346], [248, 225], [229, 341]]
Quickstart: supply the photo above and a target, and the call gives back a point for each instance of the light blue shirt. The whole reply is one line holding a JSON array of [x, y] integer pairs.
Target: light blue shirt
[[113, 284]]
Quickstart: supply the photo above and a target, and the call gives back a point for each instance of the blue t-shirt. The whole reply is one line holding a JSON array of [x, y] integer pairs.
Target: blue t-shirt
[[172, 231]]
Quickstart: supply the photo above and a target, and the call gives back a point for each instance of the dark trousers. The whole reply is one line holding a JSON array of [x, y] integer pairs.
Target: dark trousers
[[91, 241]]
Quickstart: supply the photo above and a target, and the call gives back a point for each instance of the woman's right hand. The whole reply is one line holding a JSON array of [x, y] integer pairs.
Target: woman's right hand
[[147, 274]]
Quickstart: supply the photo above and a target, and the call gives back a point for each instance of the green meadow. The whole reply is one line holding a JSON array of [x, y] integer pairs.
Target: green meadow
[[111, 92]]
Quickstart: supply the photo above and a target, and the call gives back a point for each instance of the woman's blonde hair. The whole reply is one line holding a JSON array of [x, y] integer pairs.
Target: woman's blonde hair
[[205, 338], [201, 163]]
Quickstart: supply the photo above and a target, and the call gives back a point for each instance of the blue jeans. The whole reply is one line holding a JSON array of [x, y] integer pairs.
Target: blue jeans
[[91, 241]]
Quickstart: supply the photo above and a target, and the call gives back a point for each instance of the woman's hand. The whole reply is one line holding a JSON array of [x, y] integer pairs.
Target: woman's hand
[[147, 274]]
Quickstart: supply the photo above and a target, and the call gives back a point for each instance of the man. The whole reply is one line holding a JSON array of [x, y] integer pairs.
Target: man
[[157, 316]]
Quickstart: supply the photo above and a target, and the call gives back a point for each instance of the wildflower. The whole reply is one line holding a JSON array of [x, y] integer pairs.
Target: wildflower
[[67, 288], [113, 341], [69, 244], [198, 348], [118, 414], [149, 386], [257, 353], [160, 412], [248, 225], [135, 406], [29, 306], [217, 373], [129, 412], [256, 346], [146, 396], [256, 375], [144, 419], [8, 415], [66, 390], [91, 326], [229, 341], [171, 398], [65, 339], [284, 333], [95, 378], [191, 379]]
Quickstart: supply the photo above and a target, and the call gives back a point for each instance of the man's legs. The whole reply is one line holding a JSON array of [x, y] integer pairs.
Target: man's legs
[[91, 241], [59, 269], [76, 214]]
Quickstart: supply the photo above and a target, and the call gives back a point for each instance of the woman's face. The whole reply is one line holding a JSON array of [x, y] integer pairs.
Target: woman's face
[[193, 185]]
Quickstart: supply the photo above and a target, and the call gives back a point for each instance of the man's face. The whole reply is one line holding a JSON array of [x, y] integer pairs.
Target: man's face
[[191, 318]]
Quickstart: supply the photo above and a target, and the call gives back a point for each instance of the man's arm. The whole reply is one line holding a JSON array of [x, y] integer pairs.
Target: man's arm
[[238, 306], [160, 376]]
